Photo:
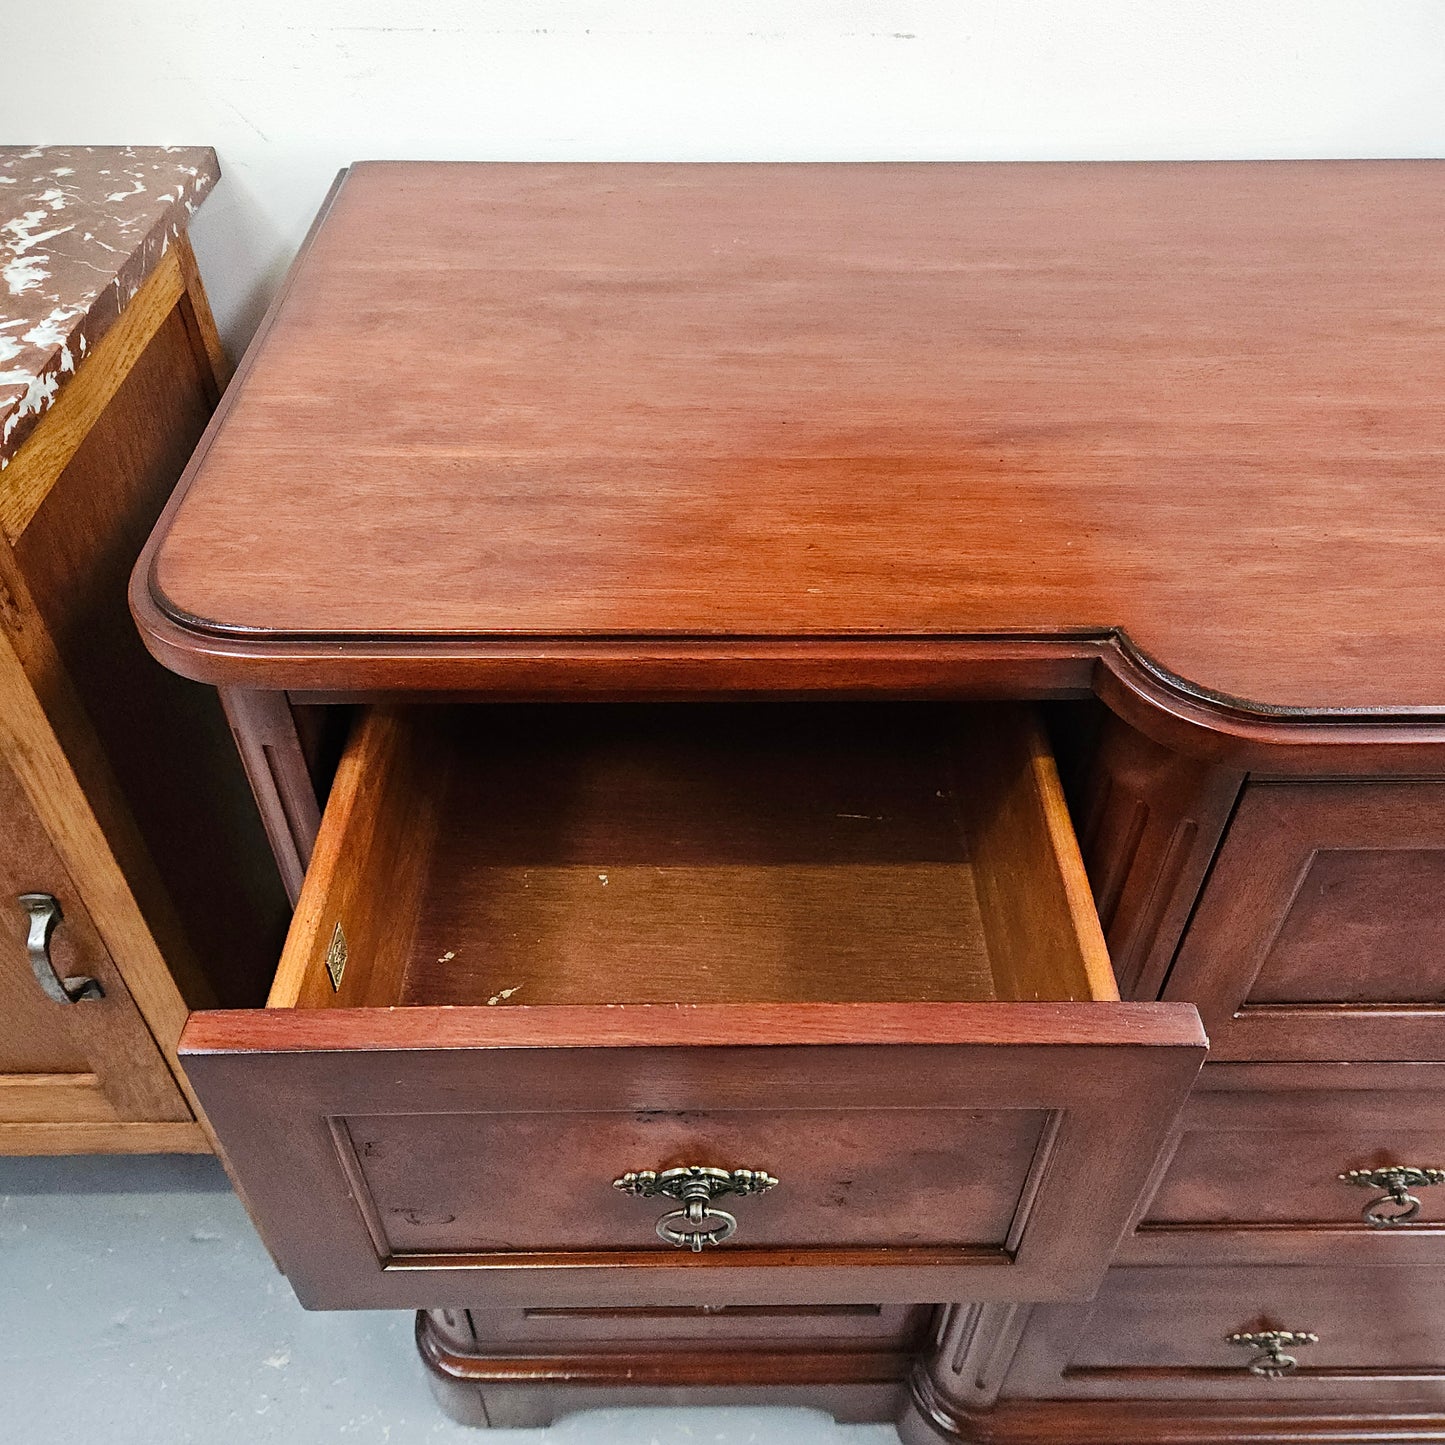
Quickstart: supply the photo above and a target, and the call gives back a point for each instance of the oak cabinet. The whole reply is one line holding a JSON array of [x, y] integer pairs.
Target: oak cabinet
[[127, 823], [91, 1061]]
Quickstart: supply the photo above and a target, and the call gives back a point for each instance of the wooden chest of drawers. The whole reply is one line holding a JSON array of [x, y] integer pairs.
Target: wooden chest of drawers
[[840, 669], [851, 948]]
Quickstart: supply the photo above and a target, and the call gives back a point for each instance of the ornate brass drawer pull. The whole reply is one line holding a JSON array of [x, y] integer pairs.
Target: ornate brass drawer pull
[[698, 1223], [44, 913], [1272, 1362], [1397, 1205]]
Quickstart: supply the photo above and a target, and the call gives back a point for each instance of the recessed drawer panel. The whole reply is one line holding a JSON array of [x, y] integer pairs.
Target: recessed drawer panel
[[1321, 932], [625, 1327], [1293, 1163], [1242, 1333], [794, 1003], [849, 1360], [947, 1177]]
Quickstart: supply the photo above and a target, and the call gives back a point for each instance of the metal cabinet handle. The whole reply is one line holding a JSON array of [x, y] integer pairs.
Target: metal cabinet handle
[[44, 914], [1397, 1205], [698, 1223], [1271, 1362]]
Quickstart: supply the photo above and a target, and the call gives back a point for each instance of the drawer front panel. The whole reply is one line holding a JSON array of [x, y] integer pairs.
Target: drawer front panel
[[1366, 926], [925, 1137], [1167, 1333], [1255, 1170], [481, 1183], [542, 1330], [1001, 1161], [1322, 930]]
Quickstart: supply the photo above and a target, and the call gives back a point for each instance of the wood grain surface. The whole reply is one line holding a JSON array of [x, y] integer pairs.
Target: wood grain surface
[[1163, 1333], [360, 1219], [735, 853], [607, 1328], [1253, 1175], [465, 1181], [35, 467], [88, 1062], [700, 856], [1194, 407], [478, 1382], [1149, 821], [927, 1420], [1319, 933], [165, 739]]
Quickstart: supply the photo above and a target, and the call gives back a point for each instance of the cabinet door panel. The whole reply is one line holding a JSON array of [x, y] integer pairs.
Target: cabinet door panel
[[88, 1062]]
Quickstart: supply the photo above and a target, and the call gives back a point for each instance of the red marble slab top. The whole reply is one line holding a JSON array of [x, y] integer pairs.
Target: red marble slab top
[[81, 227]]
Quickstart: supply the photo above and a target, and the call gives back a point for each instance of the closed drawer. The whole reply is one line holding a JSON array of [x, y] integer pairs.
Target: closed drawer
[[1321, 932], [847, 1360], [538, 952], [1255, 1171], [1172, 1333], [600, 1328]]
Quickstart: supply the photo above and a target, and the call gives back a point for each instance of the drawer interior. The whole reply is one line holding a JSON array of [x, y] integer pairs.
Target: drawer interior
[[503, 856]]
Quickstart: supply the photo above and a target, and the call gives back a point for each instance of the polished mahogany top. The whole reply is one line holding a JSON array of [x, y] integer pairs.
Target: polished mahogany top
[[1187, 417]]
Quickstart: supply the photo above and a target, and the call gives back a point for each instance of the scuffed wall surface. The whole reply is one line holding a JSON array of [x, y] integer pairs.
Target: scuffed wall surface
[[289, 92]]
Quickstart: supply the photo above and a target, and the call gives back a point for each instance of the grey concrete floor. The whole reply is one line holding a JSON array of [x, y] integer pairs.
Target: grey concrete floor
[[137, 1307]]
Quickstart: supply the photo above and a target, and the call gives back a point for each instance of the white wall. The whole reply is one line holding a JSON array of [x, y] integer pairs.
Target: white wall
[[288, 91]]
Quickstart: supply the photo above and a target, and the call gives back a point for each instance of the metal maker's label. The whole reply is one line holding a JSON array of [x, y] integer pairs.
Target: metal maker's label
[[336, 958]]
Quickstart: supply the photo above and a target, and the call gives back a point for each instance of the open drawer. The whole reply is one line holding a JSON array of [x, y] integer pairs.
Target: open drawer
[[545, 956]]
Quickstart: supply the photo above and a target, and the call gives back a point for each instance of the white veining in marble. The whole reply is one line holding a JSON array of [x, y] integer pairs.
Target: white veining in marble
[[80, 231]]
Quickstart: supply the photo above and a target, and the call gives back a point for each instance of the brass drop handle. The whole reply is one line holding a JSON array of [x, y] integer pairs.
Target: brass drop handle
[[1397, 1205], [699, 1222], [44, 914], [1271, 1362]]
